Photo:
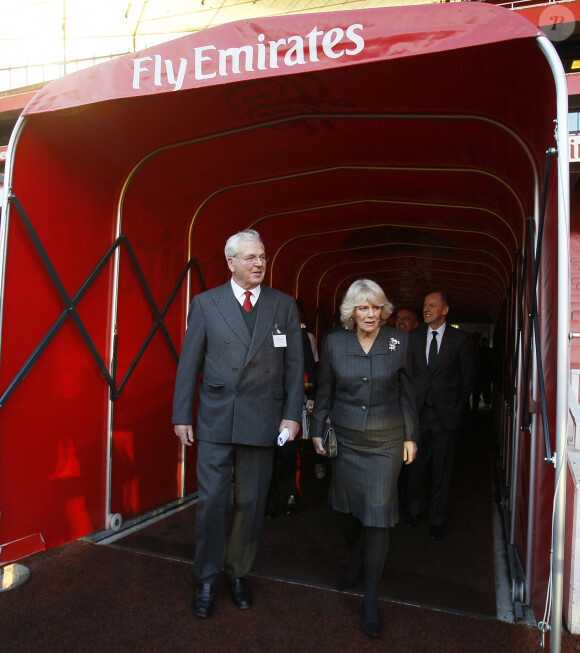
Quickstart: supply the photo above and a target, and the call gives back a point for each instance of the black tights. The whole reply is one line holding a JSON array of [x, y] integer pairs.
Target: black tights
[[368, 547]]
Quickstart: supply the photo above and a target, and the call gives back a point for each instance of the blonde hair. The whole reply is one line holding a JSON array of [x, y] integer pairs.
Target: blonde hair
[[361, 291]]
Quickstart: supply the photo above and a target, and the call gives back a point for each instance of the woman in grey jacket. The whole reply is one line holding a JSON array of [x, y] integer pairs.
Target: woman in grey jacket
[[365, 390]]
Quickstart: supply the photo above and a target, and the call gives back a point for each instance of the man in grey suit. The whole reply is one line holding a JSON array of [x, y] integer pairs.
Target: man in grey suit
[[442, 376], [244, 339]]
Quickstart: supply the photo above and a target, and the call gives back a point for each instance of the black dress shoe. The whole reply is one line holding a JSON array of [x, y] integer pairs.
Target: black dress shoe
[[241, 593], [292, 505], [203, 602], [436, 532]]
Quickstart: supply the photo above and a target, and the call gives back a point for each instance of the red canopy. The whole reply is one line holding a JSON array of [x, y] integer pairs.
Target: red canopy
[[288, 45], [404, 144]]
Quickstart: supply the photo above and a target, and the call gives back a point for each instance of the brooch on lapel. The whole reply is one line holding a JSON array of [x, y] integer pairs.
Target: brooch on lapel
[[393, 344]]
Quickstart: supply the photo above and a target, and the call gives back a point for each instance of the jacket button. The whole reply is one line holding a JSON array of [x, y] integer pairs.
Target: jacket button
[[364, 379], [364, 407], [262, 396], [234, 369], [237, 394], [227, 340]]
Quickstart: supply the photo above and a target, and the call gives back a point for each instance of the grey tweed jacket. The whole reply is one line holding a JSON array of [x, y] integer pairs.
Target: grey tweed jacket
[[362, 391]]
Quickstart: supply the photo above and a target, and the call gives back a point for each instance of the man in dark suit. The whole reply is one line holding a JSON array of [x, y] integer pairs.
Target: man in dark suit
[[442, 376], [244, 338]]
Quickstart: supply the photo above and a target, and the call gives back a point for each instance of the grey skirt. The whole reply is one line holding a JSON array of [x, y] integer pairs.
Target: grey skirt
[[365, 473]]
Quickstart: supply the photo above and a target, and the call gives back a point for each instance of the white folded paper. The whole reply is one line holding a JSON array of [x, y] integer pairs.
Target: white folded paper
[[283, 436]]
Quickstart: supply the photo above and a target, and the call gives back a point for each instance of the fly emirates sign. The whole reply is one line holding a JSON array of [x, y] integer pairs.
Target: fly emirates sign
[[209, 62]]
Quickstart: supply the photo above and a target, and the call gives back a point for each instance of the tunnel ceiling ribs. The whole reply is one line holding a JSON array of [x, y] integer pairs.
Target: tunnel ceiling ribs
[[419, 200]]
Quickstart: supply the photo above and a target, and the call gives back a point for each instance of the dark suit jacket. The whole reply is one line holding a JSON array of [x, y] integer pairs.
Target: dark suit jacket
[[451, 380], [247, 384], [366, 391]]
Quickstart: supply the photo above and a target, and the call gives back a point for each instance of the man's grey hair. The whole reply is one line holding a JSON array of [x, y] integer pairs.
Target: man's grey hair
[[233, 242]]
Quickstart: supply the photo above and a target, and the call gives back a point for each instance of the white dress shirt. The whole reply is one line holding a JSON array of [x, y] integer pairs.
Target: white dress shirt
[[240, 293], [440, 332]]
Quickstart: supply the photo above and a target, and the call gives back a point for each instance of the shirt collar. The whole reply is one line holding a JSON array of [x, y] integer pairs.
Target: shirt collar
[[240, 292], [440, 330]]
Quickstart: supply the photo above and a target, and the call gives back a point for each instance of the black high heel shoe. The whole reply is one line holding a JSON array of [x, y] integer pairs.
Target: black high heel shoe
[[372, 623]]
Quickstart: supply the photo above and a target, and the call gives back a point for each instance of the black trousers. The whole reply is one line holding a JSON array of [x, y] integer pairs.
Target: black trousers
[[251, 470], [436, 447]]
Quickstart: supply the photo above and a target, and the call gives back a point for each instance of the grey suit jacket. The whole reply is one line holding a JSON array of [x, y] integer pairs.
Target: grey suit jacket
[[366, 391], [450, 381], [247, 384]]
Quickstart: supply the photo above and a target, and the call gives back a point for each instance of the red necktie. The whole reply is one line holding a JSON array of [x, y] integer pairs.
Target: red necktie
[[247, 305]]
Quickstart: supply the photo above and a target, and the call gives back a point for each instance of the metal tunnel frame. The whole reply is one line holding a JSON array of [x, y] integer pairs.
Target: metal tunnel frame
[[563, 358]]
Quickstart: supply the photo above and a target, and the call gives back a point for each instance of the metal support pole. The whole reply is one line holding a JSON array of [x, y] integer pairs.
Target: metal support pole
[[563, 343]]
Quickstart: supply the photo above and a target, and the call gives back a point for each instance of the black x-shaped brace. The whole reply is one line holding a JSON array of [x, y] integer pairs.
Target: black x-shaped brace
[[71, 304], [533, 253]]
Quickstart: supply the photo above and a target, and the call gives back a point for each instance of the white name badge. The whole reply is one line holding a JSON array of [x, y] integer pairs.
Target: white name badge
[[279, 339]]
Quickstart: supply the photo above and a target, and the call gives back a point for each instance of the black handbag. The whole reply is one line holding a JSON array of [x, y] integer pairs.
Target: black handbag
[[329, 441]]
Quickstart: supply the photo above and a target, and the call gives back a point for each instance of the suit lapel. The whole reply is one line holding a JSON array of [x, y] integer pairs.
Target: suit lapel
[[381, 343], [263, 327], [422, 341], [353, 347], [229, 308]]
